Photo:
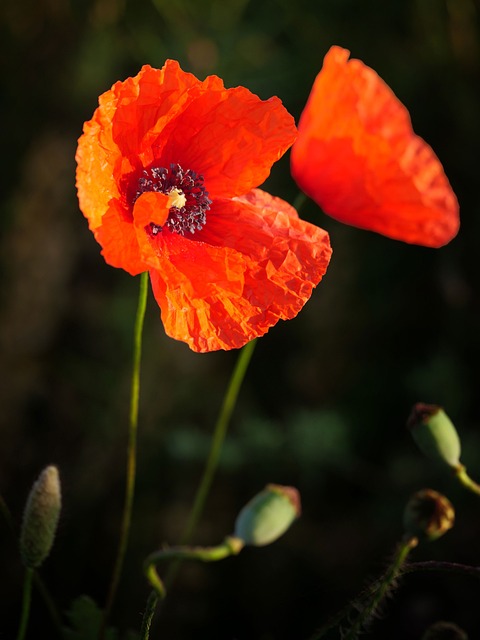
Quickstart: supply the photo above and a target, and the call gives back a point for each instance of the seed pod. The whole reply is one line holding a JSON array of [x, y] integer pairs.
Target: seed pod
[[428, 515]]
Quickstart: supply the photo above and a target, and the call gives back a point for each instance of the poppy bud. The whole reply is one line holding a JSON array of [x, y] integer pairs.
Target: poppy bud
[[428, 515], [268, 515], [444, 631], [40, 518], [435, 434]]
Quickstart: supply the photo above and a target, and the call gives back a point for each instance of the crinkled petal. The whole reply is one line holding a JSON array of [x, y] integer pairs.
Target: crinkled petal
[[357, 156], [231, 137], [96, 184], [254, 263], [167, 116], [146, 104], [118, 239], [150, 208], [124, 128]]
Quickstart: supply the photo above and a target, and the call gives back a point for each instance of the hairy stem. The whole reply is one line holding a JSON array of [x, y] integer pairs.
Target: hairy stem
[[382, 587], [148, 615]]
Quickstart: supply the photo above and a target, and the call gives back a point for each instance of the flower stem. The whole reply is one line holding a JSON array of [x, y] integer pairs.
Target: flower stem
[[131, 452], [27, 598], [39, 584], [219, 433], [382, 587], [49, 603], [228, 405], [369, 601], [462, 475], [299, 201], [229, 547], [148, 615], [447, 567]]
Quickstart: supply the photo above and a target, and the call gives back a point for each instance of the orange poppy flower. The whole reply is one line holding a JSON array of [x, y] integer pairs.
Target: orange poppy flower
[[166, 176], [357, 156]]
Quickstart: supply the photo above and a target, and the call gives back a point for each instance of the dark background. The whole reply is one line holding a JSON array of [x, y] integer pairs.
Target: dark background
[[327, 396]]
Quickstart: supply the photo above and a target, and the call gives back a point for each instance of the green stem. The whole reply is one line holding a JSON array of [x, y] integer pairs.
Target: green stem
[[462, 475], [131, 451], [447, 567], [372, 596], [381, 588], [299, 201], [219, 433], [49, 603], [228, 405], [148, 615], [39, 584], [27, 598], [230, 546]]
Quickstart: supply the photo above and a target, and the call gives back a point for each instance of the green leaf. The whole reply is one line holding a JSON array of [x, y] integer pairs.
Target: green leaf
[[85, 620]]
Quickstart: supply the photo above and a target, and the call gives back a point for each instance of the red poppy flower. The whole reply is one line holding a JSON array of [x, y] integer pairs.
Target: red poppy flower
[[357, 156], [166, 176]]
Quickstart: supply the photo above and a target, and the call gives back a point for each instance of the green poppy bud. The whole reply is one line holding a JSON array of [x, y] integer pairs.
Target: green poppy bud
[[444, 631], [40, 518], [268, 515], [428, 515], [435, 434]]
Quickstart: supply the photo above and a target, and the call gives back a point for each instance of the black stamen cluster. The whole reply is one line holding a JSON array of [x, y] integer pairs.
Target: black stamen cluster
[[192, 216]]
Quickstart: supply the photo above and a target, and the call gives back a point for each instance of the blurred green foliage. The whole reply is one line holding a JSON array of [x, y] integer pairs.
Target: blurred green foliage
[[327, 395]]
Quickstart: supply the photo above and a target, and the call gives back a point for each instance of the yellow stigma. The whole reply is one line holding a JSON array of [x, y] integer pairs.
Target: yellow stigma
[[177, 198]]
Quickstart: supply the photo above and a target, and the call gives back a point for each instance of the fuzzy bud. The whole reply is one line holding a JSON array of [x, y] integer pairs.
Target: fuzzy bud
[[444, 631], [435, 434], [428, 515], [268, 515], [40, 518]]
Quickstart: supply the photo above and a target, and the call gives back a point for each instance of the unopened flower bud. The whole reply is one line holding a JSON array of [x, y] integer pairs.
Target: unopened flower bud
[[435, 434], [444, 631], [268, 515], [428, 515], [40, 518]]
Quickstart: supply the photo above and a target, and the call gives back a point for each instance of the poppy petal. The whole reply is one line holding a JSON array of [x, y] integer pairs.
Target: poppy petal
[[146, 104], [119, 137], [162, 167], [357, 156], [150, 208], [118, 239], [232, 138], [95, 181], [255, 262]]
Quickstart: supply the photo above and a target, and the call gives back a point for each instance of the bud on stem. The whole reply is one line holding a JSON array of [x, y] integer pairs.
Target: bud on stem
[[262, 521], [428, 515], [268, 515], [40, 518], [436, 436]]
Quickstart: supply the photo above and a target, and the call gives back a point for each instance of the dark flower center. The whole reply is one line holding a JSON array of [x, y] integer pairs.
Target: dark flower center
[[190, 198]]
